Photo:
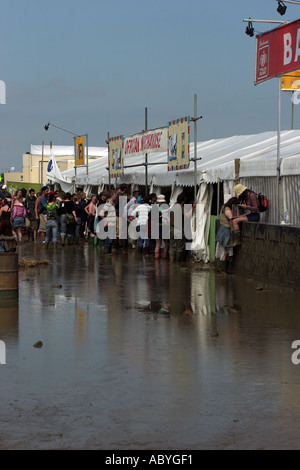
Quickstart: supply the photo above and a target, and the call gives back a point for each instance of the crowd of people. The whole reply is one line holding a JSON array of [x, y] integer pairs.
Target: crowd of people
[[144, 223], [58, 218]]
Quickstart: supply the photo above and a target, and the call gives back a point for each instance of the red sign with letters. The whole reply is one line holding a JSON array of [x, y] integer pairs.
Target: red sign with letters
[[277, 52]]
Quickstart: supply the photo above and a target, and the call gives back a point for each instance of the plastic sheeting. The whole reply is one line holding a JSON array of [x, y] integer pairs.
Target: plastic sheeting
[[201, 223], [290, 210]]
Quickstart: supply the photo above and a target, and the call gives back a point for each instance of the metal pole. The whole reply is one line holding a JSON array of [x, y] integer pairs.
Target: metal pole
[[250, 20], [146, 156], [108, 161], [42, 174], [292, 125], [87, 154], [278, 153], [195, 148], [50, 148], [62, 129], [75, 156], [218, 199]]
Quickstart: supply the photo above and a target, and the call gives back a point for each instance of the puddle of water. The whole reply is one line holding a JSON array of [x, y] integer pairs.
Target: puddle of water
[[139, 354]]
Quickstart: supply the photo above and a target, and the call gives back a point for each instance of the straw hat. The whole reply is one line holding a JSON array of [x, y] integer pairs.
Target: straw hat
[[239, 189], [161, 198]]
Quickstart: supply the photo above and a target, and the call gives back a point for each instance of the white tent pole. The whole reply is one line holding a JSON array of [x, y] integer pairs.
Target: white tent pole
[[195, 148], [278, 152]]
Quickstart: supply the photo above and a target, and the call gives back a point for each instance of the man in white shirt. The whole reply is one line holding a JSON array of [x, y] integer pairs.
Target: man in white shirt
[[142, 214]]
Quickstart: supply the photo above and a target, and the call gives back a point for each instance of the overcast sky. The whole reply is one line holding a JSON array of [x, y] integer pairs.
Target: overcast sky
[[93, 66]]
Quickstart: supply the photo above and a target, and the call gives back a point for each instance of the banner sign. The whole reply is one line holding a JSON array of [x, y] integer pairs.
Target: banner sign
[[277, 52], [291, 81], [79, 151], [146, 142], [115, 154], [179, 144]]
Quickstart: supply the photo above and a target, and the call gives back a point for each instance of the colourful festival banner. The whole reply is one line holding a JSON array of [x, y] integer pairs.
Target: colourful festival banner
[[147, 142], [278, 52], [79, 151], [116, 157], [291, 81], [179, 144]]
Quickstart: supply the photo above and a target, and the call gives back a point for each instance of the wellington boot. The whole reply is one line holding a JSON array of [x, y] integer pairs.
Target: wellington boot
[[63, 240]]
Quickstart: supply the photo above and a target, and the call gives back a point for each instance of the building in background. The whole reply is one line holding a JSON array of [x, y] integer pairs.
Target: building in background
[[36, 161]]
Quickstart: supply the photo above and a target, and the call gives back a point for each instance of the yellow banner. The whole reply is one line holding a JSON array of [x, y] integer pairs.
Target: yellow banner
[[291, 81], [116, 163], [79, 151], [179, 144]]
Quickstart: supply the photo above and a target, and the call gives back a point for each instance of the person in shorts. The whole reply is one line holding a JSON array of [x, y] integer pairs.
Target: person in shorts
[[248, 200], [32, 224], [41, 213]]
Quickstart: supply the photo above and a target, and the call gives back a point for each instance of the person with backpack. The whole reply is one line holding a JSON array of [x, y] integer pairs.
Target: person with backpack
[[248, 200], [40, 211]]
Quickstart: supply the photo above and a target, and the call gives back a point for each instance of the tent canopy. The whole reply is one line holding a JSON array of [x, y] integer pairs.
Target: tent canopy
[[257, 154]]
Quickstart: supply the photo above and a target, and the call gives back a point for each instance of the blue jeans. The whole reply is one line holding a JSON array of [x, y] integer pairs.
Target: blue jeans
[[77, 229], [253, 217], [141, 242], [63, 224], [51, 229], [108, 245]]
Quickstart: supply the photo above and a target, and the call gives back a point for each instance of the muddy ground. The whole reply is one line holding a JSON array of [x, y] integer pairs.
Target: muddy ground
[[124, 352]]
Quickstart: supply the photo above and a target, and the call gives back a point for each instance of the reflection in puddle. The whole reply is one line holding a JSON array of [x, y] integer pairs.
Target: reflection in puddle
[[140, 354]]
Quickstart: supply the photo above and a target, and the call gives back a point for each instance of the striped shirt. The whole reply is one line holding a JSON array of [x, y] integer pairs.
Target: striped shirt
[[142, 212], [110, 209]]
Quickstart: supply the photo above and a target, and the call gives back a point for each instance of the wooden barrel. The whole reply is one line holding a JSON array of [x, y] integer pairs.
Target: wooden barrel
[[9, 275]]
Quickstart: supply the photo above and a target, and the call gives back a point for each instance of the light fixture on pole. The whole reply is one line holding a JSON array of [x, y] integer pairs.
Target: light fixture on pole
[[77, 155], [249, 29], [281, 8], [46, 127]]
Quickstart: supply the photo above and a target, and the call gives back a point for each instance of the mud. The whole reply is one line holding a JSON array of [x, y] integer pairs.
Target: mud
[[141, 354]]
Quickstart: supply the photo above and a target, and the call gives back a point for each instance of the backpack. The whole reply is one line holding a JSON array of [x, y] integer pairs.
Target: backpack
[[263, 203], [19, 211]]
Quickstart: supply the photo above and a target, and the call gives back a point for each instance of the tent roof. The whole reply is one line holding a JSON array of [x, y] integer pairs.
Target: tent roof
[[257, 154], [66, 150]]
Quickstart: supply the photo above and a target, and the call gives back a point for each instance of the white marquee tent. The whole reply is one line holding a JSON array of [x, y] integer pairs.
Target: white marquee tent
[[257, 155]]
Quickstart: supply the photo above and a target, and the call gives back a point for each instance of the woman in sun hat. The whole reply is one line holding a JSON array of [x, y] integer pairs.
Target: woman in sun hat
[[248, 201]]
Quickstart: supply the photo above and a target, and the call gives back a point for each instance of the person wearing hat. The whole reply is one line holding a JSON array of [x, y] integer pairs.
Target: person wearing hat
[[248, 201]]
